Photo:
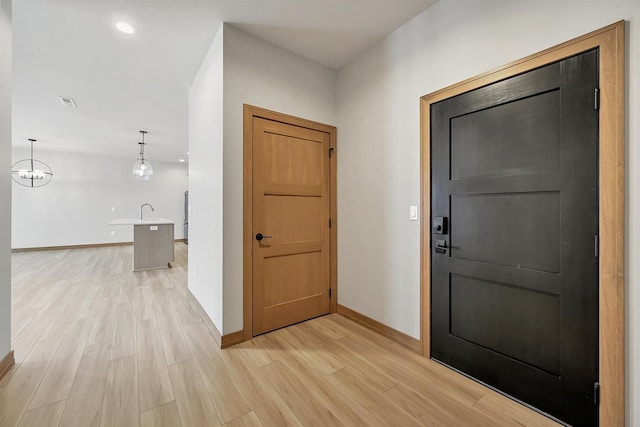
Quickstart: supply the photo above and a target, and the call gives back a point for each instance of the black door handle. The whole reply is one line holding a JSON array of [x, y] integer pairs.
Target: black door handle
[[259, 237]]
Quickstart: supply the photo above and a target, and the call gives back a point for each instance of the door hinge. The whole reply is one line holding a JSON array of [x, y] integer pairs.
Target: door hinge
[[331, 150], [597, 245], [596, 99], [330, 223], [329, 293], [596, 393]]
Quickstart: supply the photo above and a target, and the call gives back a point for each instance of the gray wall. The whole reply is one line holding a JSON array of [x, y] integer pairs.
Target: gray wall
[[205, 182], [379, 143], [264, 75], [238, 69], [75, 207], [5, 182]]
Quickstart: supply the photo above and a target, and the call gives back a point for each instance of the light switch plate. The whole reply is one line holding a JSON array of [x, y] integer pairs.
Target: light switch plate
[[413, 213]]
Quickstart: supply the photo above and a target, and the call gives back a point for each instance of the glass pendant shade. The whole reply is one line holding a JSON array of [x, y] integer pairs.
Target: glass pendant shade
[[31, 172], [142, 169]]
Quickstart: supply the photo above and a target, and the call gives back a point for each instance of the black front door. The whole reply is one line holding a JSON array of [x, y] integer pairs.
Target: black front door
[[514, 274]]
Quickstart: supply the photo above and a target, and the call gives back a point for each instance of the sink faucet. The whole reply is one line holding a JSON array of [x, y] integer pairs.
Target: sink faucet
[[142, 206]]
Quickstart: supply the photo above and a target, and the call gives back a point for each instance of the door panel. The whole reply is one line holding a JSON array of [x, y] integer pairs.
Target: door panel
[[294, 219], [515, 291], [507, 140], [514, 229], [293, 159], [303, 269], [528, 320], [291, 264]]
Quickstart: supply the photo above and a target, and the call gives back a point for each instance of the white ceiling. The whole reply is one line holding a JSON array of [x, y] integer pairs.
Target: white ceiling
[[123, 83]]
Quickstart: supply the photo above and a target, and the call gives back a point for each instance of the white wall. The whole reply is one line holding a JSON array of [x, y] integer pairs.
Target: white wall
[[5, 185], [379, 143], [205, 183], [264, 75], [75, 207]]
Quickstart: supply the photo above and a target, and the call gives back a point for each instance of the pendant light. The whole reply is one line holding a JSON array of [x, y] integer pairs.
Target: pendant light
[[31, 172], [142, 169]]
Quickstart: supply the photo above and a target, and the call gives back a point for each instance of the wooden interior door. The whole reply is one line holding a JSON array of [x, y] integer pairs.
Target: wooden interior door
[[514, 296], [291, 211]]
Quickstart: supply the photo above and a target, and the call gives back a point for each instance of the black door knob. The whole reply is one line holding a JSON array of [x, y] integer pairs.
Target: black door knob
[[261, 236]]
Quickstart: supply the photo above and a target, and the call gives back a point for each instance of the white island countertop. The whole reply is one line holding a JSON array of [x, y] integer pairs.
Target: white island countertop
[[136, 221]]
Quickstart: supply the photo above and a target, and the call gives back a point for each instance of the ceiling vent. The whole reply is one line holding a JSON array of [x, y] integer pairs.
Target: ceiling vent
[[68, 102]]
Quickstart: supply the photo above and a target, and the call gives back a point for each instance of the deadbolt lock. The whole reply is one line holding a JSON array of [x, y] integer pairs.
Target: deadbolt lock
[[440, 225]]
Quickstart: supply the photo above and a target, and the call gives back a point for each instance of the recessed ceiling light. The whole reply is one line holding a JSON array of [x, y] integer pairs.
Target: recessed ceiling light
[[68, 102], [125, 27], [181, 160]]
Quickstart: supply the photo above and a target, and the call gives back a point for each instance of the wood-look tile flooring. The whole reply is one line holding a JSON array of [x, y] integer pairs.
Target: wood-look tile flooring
[[99, 345]]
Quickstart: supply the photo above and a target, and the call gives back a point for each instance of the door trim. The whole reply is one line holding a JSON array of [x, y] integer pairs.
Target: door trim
[[610, 41], [247, 197]]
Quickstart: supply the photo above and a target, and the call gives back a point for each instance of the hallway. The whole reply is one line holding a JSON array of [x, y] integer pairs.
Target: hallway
[[97, 345]]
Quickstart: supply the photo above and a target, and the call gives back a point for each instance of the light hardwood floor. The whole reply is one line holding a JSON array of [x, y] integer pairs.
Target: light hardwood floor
[[98, 345]]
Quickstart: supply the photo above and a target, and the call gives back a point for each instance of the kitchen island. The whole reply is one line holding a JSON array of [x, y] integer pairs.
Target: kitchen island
[[153, 240]]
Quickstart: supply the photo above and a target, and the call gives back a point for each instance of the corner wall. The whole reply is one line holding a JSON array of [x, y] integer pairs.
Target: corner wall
[[5, 182], [75, 207], [205, 182], [262, 74], [379, 157]]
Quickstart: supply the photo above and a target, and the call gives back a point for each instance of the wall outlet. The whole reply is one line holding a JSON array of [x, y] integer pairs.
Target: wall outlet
[[113, 233]]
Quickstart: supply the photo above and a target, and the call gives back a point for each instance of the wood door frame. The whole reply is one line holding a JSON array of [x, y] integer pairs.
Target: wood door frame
[[247, 209], [610, 41]]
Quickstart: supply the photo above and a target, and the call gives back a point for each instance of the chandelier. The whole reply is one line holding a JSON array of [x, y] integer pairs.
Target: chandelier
[[31, 172], [142, 170]]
